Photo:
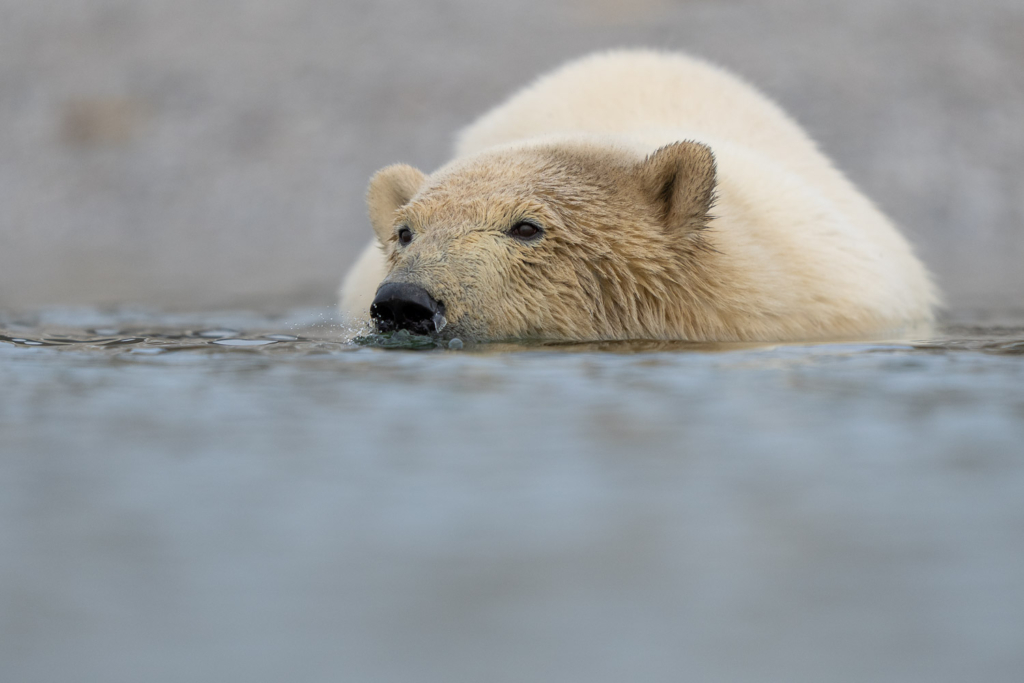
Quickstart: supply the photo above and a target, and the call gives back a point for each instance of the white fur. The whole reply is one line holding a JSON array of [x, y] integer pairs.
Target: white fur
[[800, 239], [360, 284]]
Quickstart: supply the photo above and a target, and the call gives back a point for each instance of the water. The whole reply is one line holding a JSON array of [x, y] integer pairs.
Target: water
[[241, 498]]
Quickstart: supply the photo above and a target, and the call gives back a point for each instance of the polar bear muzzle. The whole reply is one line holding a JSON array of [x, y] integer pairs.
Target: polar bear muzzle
[[404, 306]]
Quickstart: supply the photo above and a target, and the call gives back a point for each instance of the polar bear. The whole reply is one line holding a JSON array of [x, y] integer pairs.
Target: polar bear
[[634, 194]]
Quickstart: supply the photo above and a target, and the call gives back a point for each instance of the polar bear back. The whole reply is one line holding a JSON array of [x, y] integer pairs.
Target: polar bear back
[[633, 91]]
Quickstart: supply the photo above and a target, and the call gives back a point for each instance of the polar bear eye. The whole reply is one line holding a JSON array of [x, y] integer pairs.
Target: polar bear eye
[[404, 236], [525, 231]]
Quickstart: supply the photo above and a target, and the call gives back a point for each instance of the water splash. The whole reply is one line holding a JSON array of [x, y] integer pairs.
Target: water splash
[[400, 339], [439, 321]]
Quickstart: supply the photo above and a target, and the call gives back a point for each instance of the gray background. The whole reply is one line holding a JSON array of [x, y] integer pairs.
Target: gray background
[[196, 154]]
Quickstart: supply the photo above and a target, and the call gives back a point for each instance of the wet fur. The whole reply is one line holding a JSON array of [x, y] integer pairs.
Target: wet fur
[[630, 248]]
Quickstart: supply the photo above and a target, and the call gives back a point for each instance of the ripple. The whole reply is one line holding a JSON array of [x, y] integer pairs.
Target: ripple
[[243, 342]]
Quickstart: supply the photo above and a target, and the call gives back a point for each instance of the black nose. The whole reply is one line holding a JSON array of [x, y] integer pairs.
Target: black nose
[[401, 306]]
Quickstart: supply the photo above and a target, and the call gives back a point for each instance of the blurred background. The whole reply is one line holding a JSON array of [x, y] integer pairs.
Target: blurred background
[[198, 154]]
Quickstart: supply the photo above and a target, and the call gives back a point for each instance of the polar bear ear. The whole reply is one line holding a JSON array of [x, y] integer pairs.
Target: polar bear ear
[[390, 189], [680, 180]]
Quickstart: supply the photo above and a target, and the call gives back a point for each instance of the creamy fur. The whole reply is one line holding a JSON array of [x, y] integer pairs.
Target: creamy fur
[[591, 152]]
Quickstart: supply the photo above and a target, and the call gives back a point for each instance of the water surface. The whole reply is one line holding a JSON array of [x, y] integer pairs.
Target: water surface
[[234, 497]]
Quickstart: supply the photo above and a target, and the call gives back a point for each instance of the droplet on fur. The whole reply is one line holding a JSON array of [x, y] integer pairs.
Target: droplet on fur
[[455, 343], [439, 321]]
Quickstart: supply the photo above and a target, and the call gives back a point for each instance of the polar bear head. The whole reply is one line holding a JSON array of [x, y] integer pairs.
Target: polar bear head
[[554, 241]]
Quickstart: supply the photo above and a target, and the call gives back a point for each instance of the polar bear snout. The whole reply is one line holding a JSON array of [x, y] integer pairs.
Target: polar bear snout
[[404, 306]]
